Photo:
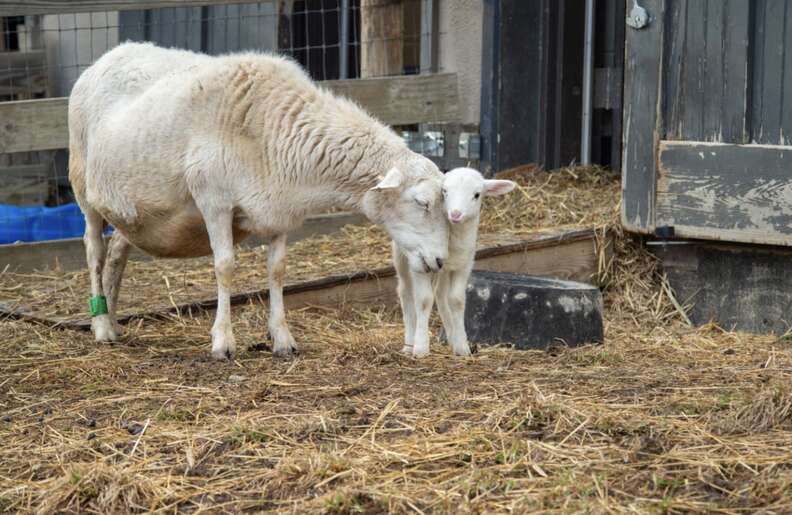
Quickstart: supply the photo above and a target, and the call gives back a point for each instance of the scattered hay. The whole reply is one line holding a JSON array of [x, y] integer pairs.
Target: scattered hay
[[661, 418]]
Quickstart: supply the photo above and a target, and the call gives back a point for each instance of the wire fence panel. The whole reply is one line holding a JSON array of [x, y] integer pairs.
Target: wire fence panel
[[41, 56]]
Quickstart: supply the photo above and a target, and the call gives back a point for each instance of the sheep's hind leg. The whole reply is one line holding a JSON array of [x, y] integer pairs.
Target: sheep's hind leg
[[218, 225], [282, 340], [117, 255], [101, 323]]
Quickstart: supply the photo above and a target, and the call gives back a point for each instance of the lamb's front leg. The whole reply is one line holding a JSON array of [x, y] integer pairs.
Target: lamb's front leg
[[423, 299], [405, 291], [455, 299], [282, 340], [219, 227]]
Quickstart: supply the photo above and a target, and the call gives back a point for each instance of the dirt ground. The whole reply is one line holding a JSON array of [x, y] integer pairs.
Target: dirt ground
[[661, 418]]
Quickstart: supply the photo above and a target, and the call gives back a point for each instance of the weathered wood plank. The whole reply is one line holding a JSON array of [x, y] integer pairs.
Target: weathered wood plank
[[736, 16], [642, 119], [713, 81], [42, 124], [723, 191], [769, 72], [379, 286], [694, 71], [19, 8], [69, 254], [381, 38], [674, 57]]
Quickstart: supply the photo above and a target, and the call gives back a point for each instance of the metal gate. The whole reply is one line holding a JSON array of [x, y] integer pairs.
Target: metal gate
[[708, 119]]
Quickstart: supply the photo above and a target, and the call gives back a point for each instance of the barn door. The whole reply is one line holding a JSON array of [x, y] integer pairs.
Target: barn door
[[708, 120]]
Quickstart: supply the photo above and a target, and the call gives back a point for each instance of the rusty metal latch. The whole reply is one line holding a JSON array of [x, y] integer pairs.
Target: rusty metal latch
[[638, 17]]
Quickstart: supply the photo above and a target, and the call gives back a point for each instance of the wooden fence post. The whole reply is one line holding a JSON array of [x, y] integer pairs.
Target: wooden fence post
[[381, 38]]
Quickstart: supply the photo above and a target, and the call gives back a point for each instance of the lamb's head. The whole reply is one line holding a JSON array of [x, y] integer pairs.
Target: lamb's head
[[408, 203], [463, 189]]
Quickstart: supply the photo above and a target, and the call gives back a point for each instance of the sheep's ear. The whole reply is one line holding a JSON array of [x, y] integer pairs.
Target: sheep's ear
[[393, 179], [493, 188]]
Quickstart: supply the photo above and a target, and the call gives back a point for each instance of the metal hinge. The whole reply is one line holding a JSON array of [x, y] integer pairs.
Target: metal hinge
[[638, 17]]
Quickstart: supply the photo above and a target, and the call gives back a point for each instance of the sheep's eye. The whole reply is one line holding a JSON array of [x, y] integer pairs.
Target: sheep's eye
[[476, 196], [423, 203]]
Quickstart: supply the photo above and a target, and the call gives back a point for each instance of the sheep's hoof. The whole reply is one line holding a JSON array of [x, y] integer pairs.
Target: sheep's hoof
[[103, 329], [407, 350]]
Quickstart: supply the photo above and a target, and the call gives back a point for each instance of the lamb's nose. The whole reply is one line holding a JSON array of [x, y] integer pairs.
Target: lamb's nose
[[439, 263], [455, 215]]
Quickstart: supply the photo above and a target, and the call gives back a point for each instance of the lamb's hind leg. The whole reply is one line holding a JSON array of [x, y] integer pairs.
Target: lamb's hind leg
[[101, 323], [219, 226], [282, 340], [117, 255]]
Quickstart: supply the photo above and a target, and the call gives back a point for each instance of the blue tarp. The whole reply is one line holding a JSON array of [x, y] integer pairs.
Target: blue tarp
[[40, 223]]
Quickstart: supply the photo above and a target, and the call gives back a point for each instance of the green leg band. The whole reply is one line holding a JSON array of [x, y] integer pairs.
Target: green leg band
[[98, 305]]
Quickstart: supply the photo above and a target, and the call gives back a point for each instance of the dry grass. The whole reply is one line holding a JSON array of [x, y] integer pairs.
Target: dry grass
[[662, 418]]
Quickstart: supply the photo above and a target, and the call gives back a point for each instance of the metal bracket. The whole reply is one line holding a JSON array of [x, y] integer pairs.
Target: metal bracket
[[470, 146], [430, 143], [638, 17]]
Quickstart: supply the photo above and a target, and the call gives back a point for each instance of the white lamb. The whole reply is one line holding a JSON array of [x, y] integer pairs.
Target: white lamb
[[463, 189], [186, 154]]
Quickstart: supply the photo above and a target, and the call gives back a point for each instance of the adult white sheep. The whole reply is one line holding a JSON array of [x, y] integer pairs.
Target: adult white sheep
[[463, 189], [187, 154]]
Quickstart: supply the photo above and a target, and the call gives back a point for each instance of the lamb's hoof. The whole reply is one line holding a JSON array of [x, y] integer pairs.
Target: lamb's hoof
[[222, 354], [407, 350], [463, 350], [103, 329], [284, 351], [420, 352]]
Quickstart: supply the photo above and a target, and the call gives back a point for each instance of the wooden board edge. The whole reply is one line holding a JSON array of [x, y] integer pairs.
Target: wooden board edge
[[349, 283]]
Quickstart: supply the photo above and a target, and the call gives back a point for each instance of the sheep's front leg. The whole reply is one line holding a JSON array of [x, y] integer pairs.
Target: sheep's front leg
[[117, 255], [405, 291], [455, 298], [282, 340], [423, 299], [101, 323], [221, 238]]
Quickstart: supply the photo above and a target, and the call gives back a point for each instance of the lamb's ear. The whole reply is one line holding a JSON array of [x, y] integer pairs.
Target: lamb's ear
[[493, 188], [393, 179]]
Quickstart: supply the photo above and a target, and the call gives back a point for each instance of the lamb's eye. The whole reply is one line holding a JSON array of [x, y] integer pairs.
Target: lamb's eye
[[423, 203], [476, 196]]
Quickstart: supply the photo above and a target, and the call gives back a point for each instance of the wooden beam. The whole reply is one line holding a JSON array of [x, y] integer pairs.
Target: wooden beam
[[17, 8], [42, 124], [27, 125], [69, 254], [571, 254]]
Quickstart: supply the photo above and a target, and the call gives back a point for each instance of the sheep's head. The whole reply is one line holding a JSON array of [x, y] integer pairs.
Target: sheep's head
[[407, 202], [463, 189]]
